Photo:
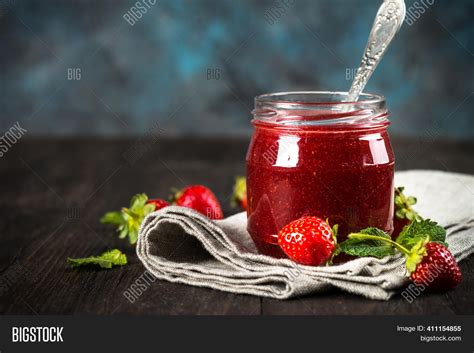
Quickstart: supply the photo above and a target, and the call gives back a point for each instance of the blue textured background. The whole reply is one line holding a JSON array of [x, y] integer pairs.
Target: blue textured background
[[157, 69]]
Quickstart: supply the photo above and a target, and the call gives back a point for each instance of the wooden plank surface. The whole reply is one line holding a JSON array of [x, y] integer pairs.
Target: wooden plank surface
[[55, 190]]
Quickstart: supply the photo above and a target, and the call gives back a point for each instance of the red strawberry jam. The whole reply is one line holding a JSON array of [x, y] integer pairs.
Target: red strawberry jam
[[313, 155]]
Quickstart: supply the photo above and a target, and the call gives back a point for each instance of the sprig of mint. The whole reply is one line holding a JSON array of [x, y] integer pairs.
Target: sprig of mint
[[128, 220], [368, 242], [411, 242], [106, 260], [418, 230]]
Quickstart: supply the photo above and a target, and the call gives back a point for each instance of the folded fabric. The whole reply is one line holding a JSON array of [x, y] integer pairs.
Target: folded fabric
[[180, 245]]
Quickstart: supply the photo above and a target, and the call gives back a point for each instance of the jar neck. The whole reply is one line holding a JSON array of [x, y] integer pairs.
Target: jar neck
[[315, 110]]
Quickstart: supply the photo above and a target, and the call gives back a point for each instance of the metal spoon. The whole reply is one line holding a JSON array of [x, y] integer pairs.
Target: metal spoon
[[388, 21]]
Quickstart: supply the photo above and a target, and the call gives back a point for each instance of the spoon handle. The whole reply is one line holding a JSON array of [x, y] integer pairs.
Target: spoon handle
[[388, 21]]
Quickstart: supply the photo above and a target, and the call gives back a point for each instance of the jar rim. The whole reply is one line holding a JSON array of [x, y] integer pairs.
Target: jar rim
[[368, 98], [319, 108]]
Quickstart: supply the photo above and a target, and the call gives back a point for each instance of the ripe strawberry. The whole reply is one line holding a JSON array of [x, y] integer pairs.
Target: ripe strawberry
[[159, 203], [201, 199], [240, 193], [308, 241], [429, 263], [438, 269], [404, 212]]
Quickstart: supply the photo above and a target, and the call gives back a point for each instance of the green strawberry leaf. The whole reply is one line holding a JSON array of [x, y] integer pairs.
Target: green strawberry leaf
[[359, 245], [133, 235], [335, 230], [414, 257], [112, 218], [337, 250], [403, 206], [411, 200], [128, 220], [138, 201], [149, 208], [240, 190], [419, 230], [123, 231], [106, 260]]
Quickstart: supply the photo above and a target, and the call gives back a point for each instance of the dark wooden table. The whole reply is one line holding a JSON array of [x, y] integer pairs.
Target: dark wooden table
[[55, 190]]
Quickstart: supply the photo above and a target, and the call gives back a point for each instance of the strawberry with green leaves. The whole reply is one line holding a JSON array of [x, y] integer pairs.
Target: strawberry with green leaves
[[404, 212], [128, 220], [428, 260], [437, 269]]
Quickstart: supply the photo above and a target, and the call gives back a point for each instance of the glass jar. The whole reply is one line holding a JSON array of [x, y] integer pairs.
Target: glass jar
[[312, 154]]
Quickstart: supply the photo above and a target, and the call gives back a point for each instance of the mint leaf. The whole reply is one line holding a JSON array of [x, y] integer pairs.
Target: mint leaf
[[358, 245], [375, 231], [106, 260], [417, 231]]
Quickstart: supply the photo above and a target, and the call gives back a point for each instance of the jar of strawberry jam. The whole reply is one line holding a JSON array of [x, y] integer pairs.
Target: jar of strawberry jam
[[313, 154]]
